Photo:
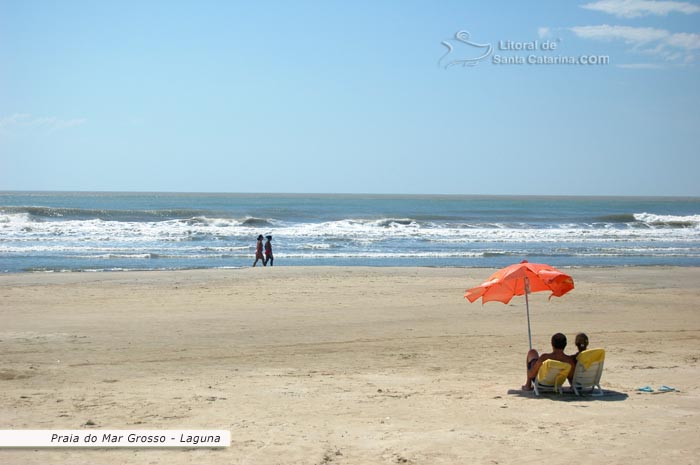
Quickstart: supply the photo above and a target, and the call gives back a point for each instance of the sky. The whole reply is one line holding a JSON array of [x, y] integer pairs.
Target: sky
[[551, 97]]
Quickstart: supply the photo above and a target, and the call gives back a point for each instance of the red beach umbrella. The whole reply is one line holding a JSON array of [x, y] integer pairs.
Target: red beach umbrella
[[521, 279]]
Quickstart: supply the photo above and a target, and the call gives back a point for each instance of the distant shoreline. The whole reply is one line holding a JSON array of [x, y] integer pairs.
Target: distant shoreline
[[300, 269]]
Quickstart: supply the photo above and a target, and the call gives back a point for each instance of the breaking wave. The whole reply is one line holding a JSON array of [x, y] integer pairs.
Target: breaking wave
[[689, 221]]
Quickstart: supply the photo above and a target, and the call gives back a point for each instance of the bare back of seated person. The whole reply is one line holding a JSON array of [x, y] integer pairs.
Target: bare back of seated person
[[534, 361]]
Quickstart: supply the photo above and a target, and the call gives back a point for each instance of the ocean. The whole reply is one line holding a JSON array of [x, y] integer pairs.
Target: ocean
[[80, 231]]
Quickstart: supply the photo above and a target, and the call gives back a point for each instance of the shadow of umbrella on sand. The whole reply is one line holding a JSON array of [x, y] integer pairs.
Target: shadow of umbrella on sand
[[521, 279]]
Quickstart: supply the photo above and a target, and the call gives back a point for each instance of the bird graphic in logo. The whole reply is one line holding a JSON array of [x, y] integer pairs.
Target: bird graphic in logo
[[465, 47]]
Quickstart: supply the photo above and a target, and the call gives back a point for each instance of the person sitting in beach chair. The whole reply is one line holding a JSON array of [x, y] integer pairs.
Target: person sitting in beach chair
[[534, 360], [551, 376], [589, 369], [581, 343]]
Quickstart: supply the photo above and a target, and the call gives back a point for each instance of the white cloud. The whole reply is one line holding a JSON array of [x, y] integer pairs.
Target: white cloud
[[670, 46], [684, 41], [637, 8], [544, 32], [640, 66], [46, 123], [16, 119], [631, 35]]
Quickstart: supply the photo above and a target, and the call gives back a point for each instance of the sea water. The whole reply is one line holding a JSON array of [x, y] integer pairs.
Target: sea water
[[41, 231]]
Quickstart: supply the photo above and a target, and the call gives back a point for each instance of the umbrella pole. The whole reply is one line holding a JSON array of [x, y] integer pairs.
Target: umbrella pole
[[527, 308]]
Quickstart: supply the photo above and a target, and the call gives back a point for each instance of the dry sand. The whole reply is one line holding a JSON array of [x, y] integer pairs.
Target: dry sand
[[347, 366]]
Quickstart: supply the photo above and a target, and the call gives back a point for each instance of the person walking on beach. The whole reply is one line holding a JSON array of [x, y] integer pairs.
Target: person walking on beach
[[268, 252], [259, 251]]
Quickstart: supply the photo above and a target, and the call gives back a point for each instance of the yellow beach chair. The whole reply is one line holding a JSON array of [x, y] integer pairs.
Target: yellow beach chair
[[589, 368], [551, 376]]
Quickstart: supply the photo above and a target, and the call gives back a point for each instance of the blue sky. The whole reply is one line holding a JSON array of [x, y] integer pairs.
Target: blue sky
[[352, 97]]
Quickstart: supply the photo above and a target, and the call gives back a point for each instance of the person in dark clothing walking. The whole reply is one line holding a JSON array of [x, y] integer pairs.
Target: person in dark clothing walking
[[269, 258]]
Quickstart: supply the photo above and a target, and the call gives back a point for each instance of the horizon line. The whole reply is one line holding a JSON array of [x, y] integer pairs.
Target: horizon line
[[374, 194]]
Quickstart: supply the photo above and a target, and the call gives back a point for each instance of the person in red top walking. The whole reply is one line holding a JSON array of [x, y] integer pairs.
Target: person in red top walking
[[259, 251], [268, 252]]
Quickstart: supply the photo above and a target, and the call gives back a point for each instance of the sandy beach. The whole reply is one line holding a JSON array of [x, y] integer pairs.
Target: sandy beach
[[347, 365]]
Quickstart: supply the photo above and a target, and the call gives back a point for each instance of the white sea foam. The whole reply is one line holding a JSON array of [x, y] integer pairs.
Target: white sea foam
[[17, 228], [668, 220]]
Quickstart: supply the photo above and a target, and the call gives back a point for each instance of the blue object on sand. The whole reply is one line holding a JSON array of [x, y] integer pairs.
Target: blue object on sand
[[645, 389], [665, 388]]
